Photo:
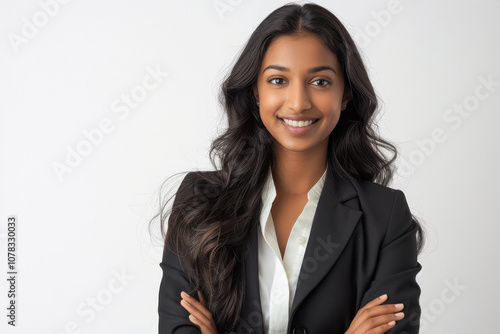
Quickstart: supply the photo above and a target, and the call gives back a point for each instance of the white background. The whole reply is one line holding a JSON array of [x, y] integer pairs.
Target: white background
[[79, 231]]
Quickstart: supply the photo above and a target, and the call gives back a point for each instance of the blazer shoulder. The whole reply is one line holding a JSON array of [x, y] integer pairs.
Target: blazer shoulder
[[377, 199], [192, 178], [385, 210], [199, 175], [376, 191]]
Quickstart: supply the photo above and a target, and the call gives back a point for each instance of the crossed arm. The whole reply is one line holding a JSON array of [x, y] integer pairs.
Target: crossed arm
[[373, 318]]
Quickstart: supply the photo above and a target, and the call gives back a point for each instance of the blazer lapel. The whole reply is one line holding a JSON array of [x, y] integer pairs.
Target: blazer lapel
[[333, 224]]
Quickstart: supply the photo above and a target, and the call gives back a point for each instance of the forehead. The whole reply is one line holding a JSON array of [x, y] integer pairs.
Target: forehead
[[302, 51]]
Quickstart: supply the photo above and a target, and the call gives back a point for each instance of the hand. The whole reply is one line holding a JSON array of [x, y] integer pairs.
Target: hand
[[198, 313], [374, 318]]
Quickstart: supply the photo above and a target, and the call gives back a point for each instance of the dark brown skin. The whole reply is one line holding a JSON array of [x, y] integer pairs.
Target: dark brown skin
[[300, 159]]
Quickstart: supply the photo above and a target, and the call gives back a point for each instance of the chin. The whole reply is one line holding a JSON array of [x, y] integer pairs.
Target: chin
[[298, 147]]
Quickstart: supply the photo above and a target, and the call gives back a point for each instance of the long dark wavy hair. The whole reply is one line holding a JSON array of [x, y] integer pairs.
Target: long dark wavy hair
[[213, 212]]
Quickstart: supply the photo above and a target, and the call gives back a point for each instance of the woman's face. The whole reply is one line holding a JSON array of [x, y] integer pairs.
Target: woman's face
[[300, 89]]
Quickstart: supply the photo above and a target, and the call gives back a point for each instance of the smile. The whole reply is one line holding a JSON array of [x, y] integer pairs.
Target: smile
[[299, 124]]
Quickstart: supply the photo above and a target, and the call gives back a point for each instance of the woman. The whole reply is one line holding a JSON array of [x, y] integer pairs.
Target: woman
[[296, 231]]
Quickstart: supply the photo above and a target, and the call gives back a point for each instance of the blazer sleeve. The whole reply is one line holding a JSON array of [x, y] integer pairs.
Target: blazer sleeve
[[173, 318], [397, 268]]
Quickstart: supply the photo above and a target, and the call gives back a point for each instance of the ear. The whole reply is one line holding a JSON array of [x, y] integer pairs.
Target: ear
[[256, 93], [346, 99]]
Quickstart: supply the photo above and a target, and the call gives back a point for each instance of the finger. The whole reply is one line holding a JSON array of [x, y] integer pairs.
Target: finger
[[376, 312], [200, 306], [203, 327], [195, 315], [376, 301], [373, 309], [381, 329], [380, 310], [206, 326], [361, 316], [379, 324]]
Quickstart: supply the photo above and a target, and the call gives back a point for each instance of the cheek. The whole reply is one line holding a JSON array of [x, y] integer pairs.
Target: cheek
[[269, 107], [272, 101], [330, 108], [268, 116], [332, 116]]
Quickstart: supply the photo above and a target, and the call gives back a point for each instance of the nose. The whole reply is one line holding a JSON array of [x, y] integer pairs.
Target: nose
[[297, 98]]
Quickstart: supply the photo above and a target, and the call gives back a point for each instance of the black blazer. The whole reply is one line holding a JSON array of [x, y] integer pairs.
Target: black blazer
[[362, 245]]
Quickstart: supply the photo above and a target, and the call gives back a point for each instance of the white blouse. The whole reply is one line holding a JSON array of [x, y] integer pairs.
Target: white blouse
[[278, 277]]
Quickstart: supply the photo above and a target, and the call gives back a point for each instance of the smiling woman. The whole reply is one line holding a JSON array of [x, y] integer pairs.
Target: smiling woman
[[296, 231]]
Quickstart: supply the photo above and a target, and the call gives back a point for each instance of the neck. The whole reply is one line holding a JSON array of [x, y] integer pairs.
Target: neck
[[295, 173]]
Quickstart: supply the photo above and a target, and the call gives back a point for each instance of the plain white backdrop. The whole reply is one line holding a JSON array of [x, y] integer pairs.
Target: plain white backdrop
[[101, 101]]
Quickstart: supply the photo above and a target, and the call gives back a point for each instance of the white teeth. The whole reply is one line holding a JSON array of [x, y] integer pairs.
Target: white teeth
[[299, 124]]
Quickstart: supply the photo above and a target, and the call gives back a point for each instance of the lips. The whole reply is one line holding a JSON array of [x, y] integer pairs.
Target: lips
[[299, 122]]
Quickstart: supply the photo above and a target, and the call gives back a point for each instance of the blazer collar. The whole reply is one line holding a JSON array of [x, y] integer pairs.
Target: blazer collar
[[333, 224]]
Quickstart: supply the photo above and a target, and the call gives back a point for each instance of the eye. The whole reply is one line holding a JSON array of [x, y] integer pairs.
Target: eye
[[277, 81], [321, 82]]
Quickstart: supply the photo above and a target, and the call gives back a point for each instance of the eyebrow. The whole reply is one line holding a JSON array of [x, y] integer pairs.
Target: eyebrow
[[312, 70]]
